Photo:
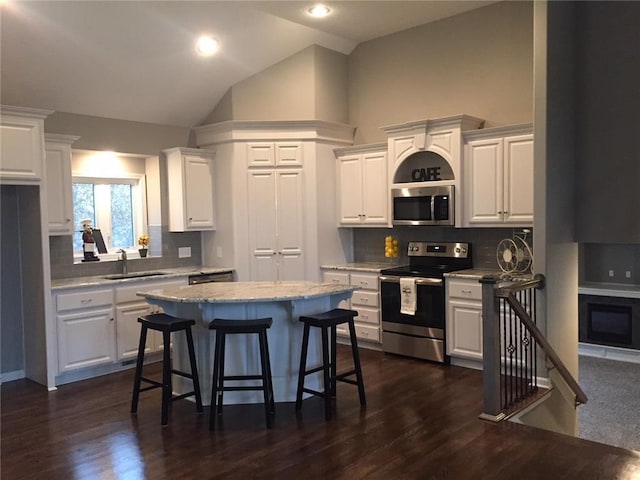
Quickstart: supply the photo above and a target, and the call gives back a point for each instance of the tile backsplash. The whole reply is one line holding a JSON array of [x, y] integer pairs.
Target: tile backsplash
[[368, 244], [62, 266]]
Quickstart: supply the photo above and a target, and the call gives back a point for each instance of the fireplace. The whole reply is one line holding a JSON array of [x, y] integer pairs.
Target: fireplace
[[613, 321]]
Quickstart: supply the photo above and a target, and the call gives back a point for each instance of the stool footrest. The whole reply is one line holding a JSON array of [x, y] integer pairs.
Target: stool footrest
[[243, 377], [313, 392], [181, 396], [241, 388], [154, 383], [182, 374], [314, 370]]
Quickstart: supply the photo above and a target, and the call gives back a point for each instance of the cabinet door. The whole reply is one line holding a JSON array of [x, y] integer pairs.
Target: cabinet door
[[128, 330], [260, 155], [485, 179], [351, 193], [518, 182], [58, 183], [199, 193], [464, 330], [22, 149], [290, 222], [262, 224], [375, 198], [86, 338], [288, 154]]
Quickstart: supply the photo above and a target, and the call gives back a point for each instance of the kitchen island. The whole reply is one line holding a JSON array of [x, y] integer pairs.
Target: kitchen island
[[284, 302]]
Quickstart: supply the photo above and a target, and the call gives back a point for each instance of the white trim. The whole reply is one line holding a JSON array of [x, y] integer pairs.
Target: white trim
[[11, 376], [609, 353]]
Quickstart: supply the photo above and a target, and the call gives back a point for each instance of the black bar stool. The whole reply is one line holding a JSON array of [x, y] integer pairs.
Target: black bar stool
[[166, 324], [328, 321], [223, 328]]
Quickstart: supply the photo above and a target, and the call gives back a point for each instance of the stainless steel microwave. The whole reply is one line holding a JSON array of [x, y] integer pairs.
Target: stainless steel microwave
[[423, 205]]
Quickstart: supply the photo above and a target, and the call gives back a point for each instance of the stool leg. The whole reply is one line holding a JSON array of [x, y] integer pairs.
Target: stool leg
[[262, 339], [223, 343], [272, 401], [166, 377], [214, 382], [303, 366], [194, 370], [325, 371], [139, 364], [356, 361], [334, 368]]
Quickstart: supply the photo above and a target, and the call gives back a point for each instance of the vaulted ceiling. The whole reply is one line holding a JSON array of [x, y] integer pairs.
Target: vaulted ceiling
[[135, 60]]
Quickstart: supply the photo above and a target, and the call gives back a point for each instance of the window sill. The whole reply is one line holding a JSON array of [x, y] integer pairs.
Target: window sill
[[132, 254]]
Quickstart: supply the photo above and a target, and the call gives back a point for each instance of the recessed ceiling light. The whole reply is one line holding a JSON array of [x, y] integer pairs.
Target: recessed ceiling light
[[319, 11], [207, 46]]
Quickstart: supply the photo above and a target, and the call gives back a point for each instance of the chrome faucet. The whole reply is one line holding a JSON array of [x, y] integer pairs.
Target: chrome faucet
[[123, 258]]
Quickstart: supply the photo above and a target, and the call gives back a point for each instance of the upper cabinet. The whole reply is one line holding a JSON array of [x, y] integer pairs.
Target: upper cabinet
[[274, 154], [190, 189], [58, 183], [498, 177], [21, 144], [362, 186]]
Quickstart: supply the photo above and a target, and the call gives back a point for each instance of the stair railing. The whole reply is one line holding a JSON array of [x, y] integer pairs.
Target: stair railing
[[511, 340]]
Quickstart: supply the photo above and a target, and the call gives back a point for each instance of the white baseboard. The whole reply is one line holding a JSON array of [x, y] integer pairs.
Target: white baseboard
[[610, 353], [11, 376]]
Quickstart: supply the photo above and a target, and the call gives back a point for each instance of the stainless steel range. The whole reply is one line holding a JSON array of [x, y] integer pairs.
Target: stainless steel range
[[413, 301]]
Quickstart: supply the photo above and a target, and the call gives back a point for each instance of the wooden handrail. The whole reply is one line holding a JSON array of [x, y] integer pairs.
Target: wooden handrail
[[580, 396]]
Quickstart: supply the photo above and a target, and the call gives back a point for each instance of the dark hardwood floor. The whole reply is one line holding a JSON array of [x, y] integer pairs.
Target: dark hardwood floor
[[420, 422]]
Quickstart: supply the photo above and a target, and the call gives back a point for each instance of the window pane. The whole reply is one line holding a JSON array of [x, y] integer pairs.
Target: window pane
[[83, 207], [121, 216]]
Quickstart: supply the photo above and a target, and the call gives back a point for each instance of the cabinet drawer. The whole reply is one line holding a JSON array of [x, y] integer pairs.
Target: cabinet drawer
[[367, 282], [88, 299], [129, 294], [471, 290], [368, 315], [368, 299], [370, 334], [336, 277]]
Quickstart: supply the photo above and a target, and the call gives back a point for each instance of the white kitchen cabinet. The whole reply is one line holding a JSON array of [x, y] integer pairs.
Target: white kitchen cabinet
[[22, 144], [129, 306], [274, 154], [498, 171], [464, 318], [276, 216], [58, 183], [362, 181], [365, 300], [86, 328], [190, 177]]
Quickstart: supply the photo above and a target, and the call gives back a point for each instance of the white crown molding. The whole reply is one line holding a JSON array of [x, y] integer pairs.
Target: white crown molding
[[25, 111], [358, 149], [60, 138], [502, 131]]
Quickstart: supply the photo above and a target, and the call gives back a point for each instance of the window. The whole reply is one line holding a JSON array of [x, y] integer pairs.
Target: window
[[116, 206]]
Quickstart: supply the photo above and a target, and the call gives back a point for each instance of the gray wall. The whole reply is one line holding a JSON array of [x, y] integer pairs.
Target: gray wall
[[479, 63], [597, 259], [11, 345], [608, 99], [310, 85]]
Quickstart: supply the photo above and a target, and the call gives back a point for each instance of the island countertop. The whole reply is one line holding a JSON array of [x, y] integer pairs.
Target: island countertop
[[246, 292]]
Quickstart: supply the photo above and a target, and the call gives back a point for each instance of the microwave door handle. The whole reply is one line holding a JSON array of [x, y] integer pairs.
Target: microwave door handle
[[433, 207]]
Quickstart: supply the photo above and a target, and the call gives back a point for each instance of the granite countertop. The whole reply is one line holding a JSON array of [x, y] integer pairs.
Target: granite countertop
[[373, 267], [609, 289], [101, 281], [246, 292], [478, 273]]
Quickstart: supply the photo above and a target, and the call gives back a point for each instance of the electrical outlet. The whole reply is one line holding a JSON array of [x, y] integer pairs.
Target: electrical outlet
[[184, 252], [219, 252], [627, 274], [611, 273]]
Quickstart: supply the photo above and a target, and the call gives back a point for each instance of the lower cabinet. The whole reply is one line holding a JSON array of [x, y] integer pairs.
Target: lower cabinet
[[129, 306], [464, 318], [99, 326], [365, 300], [86, 329]]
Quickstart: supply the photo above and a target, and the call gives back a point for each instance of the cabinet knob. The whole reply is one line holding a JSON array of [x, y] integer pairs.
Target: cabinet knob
[[68, 220]]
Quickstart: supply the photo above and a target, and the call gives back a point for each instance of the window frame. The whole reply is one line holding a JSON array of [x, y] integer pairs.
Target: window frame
[[138, 181]]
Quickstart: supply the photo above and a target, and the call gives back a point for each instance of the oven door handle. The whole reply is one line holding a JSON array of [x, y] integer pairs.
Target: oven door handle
[[419, 281]]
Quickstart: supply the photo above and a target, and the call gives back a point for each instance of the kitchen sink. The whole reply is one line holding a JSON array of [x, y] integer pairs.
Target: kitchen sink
[[122, 276]]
